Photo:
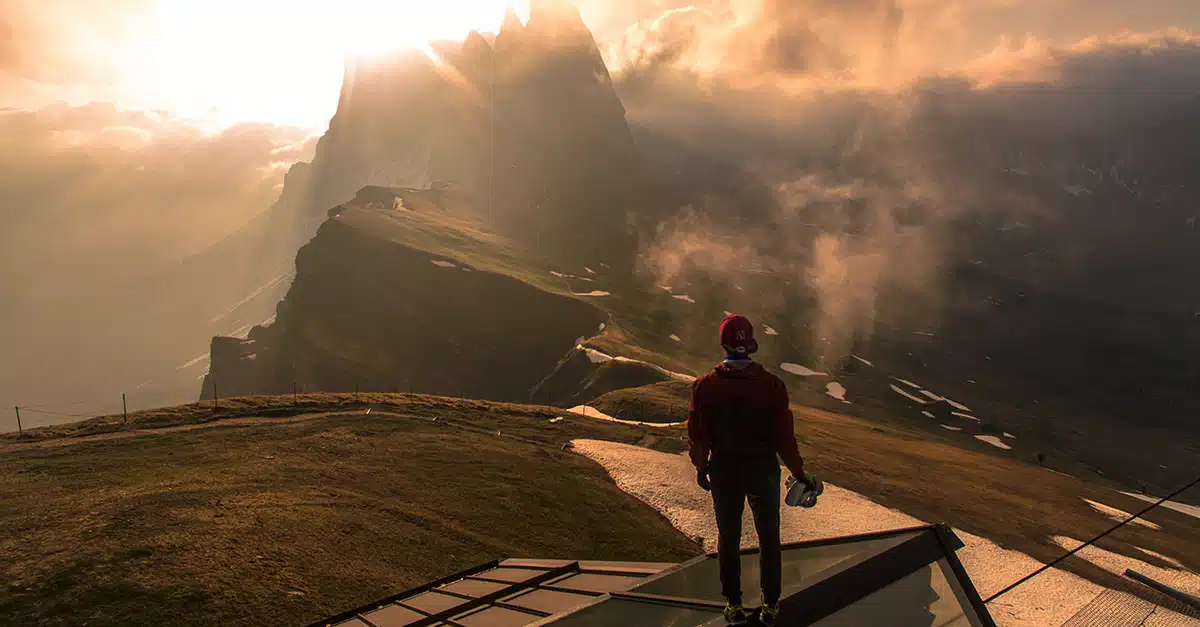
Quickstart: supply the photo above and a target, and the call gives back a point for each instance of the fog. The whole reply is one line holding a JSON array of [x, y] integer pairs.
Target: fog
[[103, 213], [872, 157], [845, 145]]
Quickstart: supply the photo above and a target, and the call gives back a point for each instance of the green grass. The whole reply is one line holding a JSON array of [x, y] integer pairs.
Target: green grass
[[283, 522]]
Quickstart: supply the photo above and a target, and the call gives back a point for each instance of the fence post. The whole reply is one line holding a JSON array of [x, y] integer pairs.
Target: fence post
[[124, 410], [20, 430], [216, 398]]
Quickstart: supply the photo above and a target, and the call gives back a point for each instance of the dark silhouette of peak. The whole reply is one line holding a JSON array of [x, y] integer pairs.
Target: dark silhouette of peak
[[511, 24], [512, 31], [476, 45], [531, 126]]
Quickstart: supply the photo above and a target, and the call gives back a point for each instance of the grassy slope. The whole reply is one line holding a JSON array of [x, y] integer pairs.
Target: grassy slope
[[1012, 502], [282, 522], [662, 402]]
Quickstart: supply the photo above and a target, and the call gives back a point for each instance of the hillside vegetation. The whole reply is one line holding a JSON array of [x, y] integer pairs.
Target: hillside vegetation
[[316, 480], [280, 520]]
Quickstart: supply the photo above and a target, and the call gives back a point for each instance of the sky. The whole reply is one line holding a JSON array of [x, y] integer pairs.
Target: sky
[[281, 61], [138, 132]]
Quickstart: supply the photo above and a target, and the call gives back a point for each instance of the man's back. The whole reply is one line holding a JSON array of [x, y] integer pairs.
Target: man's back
[[739, 420], [740, 414]]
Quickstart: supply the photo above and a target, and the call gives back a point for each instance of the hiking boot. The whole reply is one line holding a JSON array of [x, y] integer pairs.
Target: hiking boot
[[735, 614], [768, 614]]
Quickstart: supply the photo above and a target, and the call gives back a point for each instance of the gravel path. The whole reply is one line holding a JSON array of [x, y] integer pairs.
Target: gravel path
[[667, 482]]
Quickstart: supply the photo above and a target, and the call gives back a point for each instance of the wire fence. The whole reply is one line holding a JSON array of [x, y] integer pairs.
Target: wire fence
[[1130, 604]]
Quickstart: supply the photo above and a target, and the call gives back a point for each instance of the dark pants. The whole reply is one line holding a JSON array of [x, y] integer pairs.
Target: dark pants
[[732, 485]]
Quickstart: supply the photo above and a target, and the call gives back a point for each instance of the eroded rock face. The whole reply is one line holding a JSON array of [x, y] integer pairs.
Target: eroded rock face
[[530, 125], [237, 361], [380, 316]]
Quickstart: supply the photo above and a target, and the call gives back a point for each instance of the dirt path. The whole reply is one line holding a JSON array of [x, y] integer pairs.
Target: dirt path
[[224, 422]]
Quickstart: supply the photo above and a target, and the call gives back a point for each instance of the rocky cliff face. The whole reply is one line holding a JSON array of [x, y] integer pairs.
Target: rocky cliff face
[[375, 315], [530, 126]]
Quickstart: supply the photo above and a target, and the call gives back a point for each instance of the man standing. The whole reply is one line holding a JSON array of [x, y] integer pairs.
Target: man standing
[[740, 419]]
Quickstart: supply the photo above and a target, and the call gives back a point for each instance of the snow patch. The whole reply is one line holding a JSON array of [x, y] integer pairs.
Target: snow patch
[[862, 360], [908, 383], [1181, 579], [595, 356], [675, 337], [1009, 435], [194, 362], [442, 264], [592, 293], [275, 282], [951, 428], [596, 414], [769, 331], [928, 415], [962, 415], [908, 396], [994, 441], [589, 270], [1119, 515], [957, 405], [684, 297], [1182, 508], [931, 395], [598, 357], [668, 483], [836, 390], [801, 371]]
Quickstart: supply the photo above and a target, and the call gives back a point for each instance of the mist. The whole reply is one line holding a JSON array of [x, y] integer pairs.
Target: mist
[[881, 172], [102, 212]]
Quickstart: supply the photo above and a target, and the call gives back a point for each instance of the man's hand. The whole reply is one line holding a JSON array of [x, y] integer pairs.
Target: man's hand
[[702, 479]]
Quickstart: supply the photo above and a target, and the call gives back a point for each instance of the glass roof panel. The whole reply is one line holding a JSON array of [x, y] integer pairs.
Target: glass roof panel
[[622, 613], [392, 616], [800, 565], [495, 617], [924, 598], [433, 602], [594, 582], [550, 601], [474, 587]]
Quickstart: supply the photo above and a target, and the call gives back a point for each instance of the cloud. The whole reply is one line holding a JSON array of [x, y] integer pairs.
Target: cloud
[[65, 41], [95, 191], [871, 178]]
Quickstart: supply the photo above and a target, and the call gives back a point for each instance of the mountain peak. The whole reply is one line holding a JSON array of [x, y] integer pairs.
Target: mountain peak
[[512, 24]]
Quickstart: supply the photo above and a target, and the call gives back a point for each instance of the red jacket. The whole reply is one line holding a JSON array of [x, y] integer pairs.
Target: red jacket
[[742, 412]]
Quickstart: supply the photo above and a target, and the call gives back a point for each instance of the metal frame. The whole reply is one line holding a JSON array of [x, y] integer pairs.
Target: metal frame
[[829, 590], [951, 543], [490, 599], [355, 613], [851, 580], [862, 537]]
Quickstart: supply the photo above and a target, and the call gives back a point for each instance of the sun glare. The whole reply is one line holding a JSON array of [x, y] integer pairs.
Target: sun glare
[[281, 61]]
